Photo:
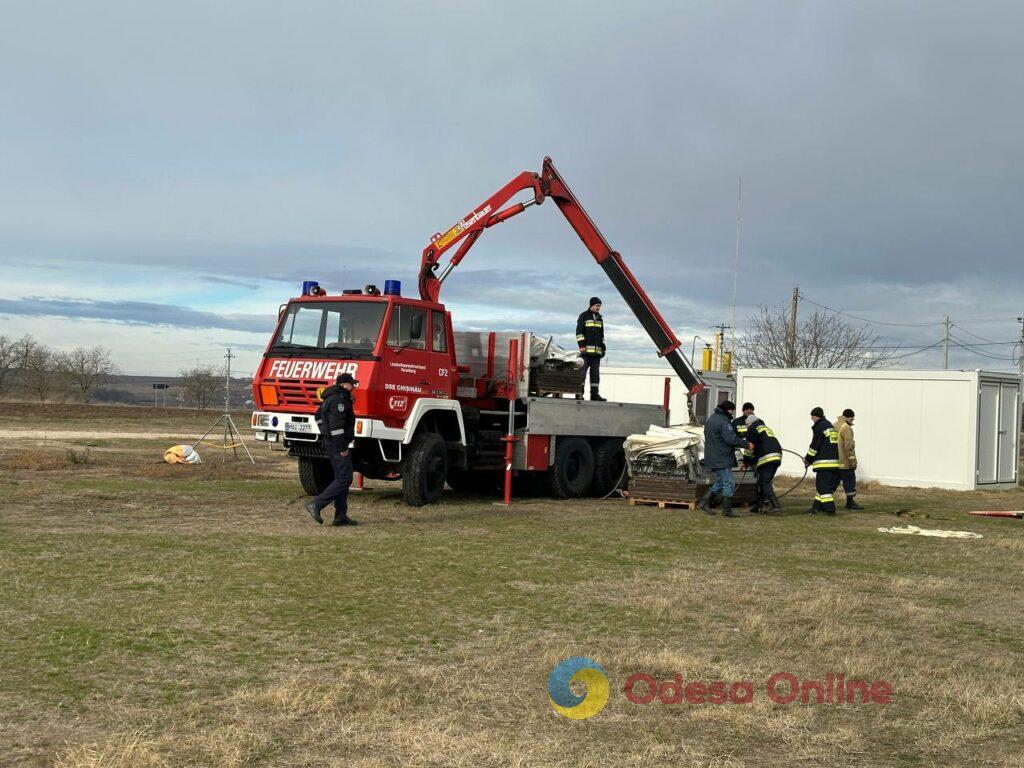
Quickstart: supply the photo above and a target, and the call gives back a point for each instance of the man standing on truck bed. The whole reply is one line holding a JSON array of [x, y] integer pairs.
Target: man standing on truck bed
[[590, 339], [336, 420]]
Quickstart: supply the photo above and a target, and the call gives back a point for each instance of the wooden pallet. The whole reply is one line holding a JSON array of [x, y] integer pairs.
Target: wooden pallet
[[663, 503], [678, 503], [674, 489]]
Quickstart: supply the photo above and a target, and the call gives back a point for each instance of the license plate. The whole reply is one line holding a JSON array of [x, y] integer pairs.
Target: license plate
[[294, 427]]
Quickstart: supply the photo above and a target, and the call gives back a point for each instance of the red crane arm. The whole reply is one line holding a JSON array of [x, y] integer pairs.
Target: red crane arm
[[550, 184], [468, 229]]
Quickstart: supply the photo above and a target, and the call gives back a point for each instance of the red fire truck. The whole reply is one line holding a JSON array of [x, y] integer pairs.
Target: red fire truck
[[437, 406]]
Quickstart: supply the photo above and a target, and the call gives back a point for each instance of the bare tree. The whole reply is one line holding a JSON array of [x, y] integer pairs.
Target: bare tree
[[10, 360], [38, 369], [201, 385], [84, 368], [823, 340]]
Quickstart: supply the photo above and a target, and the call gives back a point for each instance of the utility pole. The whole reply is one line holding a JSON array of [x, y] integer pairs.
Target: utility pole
[[945, 345], [719, 356], [736, 257], [227, 381], [791, 334], [1020, 349]]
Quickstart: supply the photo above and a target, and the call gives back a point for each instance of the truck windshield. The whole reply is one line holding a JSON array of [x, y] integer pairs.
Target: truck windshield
[[330, 329]]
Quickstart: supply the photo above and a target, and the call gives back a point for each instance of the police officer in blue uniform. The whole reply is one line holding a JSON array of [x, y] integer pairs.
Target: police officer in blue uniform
[[337, 421]]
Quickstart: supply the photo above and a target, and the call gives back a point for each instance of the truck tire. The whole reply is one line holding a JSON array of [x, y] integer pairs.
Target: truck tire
[[609, 463], [573, 471], [315, 475], [425, 469]]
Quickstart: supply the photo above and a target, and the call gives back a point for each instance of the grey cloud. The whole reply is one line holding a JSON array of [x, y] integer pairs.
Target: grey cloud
[[136, 313], [878, 144], [228, 281]]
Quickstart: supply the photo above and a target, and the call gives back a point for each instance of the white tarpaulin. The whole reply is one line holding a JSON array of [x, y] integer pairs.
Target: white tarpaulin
[[913, 530], [679, 442], [542, 350]]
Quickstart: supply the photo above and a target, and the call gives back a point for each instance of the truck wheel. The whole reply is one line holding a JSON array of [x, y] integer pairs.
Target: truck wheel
[[315, 475], [425, 469], [609, 463], [573, 471]]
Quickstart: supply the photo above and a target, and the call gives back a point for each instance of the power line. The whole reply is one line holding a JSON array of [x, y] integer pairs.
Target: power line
[[964, 345], [913, 351], [991, 343], [866, 320], [982, 338], [917, 351], [898, 346]]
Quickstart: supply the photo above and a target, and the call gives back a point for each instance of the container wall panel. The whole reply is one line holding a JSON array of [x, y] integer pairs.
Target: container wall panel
[[913, 428]]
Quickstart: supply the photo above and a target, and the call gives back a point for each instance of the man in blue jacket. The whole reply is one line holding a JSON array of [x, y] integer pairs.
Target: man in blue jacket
[[720, 444]]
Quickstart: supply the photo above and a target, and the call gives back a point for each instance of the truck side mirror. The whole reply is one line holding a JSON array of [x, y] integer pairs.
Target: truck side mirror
[[416, 326]]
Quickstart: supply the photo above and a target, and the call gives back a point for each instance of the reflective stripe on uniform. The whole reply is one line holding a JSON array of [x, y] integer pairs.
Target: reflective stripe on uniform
[[826, 498], [336, 432], [768, 458], [825, 464], [593, 324], [811, 452], [592, 350], [580, 337]]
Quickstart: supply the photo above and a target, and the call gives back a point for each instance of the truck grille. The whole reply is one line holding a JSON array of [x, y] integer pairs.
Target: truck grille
[[297, 392]]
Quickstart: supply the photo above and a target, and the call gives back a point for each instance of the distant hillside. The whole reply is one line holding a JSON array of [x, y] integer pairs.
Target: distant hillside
[[138, 390]]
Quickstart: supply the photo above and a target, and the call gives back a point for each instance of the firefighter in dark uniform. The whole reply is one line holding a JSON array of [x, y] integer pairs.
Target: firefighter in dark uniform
[[766, 458], [741, 423], [590, 340], [823, 458], [336, 420]]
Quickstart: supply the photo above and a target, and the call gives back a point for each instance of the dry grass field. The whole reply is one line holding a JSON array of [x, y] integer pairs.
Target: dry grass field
[[194, 616]]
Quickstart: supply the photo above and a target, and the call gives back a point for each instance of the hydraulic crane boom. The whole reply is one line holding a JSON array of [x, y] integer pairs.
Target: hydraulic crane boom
[[550, 184]]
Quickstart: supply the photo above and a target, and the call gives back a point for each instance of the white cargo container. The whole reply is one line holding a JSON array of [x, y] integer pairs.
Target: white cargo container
[[646, 384], [927, 429]]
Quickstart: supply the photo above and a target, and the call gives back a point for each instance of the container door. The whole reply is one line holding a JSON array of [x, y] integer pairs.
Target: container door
[[988, 433], [1008, 420]]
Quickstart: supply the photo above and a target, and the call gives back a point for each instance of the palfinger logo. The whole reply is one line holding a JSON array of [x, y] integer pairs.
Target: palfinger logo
[[578, 669]]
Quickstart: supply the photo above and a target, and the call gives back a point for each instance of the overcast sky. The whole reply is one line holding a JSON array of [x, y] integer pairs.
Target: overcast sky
[[170, 172]]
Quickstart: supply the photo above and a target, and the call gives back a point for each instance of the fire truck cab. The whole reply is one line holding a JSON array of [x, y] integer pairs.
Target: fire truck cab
[[399, 349]]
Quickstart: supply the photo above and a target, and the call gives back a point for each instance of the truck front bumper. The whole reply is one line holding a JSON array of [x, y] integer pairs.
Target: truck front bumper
[[276, 427]]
